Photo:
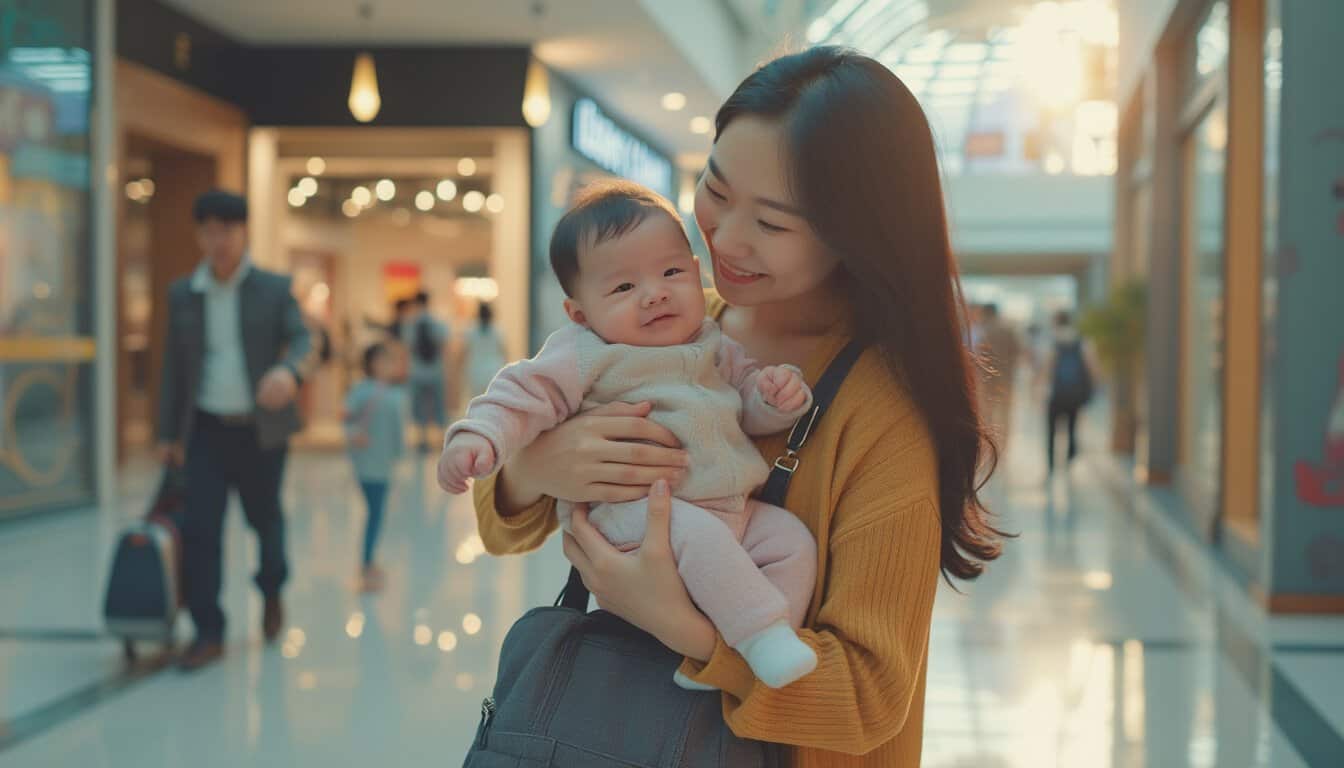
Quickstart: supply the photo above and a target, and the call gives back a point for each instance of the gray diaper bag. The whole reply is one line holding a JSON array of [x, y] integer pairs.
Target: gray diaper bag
[[577, 689]]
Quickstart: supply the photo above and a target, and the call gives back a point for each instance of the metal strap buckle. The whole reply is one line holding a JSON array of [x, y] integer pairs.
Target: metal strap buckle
[[788, 463]]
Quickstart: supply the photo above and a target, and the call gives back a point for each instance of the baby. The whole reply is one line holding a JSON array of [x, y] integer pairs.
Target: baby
[[639, 333]]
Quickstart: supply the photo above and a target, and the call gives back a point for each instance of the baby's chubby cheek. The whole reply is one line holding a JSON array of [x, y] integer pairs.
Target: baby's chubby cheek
[[617, 329]]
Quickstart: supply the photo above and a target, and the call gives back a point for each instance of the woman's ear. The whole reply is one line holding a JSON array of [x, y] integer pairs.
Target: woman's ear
[[575, 312]]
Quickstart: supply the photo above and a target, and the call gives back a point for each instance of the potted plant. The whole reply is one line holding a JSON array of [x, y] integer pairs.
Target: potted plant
[[1116, 329]]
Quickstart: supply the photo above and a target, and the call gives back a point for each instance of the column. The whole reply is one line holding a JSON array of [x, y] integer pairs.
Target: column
[[1303, 458]]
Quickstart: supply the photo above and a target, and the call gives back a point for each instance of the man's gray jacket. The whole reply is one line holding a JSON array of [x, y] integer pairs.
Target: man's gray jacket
[[273, 332]]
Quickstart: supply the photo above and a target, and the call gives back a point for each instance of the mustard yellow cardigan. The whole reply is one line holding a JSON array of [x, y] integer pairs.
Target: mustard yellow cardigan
[[868, 490]]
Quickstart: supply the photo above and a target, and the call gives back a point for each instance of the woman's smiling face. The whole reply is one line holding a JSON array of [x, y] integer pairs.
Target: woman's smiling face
[[761, 246]]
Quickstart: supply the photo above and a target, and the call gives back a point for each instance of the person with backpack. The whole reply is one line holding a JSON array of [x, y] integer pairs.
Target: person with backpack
[[1071, 386], [425, 337]]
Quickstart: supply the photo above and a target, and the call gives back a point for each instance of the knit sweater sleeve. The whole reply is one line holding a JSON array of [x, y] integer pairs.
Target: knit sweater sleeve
[[527, 397], [521, 531], [525, 530], [871, 631], [758, 416]]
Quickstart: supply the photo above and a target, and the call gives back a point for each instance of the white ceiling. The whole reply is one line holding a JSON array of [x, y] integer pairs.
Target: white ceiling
[[610, 48]]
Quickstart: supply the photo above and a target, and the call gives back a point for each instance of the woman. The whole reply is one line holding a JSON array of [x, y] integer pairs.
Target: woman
[[483, 353], [822, 208]]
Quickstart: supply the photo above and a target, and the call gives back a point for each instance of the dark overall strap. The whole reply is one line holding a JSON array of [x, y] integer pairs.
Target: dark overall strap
[[575, 594], [777, 485]]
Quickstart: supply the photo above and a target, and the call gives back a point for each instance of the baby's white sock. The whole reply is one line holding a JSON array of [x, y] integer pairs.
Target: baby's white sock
[[777, 656], [689, 684]]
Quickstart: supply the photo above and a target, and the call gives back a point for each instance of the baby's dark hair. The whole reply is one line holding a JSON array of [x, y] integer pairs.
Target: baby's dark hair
[[371, 355], [604, 210]]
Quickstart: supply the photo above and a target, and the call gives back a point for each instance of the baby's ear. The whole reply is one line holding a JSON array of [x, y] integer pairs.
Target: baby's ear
[[575, 312]]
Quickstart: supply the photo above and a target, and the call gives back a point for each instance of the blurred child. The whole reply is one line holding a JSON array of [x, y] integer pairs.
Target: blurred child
[[374, 418]]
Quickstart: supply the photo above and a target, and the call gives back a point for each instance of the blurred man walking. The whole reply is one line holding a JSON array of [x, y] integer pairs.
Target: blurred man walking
[[236, 351]]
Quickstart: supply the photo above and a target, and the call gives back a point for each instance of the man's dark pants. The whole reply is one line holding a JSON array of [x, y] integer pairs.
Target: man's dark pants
[[224, 454]]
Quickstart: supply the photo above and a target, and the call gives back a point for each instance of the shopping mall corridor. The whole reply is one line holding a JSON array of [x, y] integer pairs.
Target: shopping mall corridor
[[1104, 637]]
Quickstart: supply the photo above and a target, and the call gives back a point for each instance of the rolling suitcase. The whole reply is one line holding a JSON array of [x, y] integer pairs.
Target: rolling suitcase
[[143, 588]]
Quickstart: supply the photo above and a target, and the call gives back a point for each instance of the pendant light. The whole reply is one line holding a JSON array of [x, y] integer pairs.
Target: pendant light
[[536, 95], [364, 99]]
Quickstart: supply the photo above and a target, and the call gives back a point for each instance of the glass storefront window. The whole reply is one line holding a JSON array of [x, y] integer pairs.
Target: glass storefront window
[[1202, 414], [1273, 66], [1208, 56], [1203, 283], [46, 345]]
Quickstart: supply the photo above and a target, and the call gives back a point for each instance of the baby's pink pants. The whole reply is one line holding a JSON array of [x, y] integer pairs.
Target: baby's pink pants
[[744, 581]]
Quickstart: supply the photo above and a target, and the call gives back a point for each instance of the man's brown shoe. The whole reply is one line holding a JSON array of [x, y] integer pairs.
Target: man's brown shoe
[[273, 618], [201, 653]]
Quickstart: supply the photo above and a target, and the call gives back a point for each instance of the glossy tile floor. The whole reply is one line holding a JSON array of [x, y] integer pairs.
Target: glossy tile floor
[[1104, 637]]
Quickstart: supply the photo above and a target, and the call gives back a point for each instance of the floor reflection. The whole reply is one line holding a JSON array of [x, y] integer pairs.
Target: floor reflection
[[1101, 638]]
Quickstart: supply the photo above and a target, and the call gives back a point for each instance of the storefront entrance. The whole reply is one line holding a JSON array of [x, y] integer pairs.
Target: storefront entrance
[[175, 143], [365, 217]]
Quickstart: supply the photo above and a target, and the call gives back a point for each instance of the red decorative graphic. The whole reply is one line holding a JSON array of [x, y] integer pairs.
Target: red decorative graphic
[[1322, 485]]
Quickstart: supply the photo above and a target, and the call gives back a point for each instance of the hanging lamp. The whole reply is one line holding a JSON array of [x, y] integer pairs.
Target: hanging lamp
[[536, 95], [364, 99]]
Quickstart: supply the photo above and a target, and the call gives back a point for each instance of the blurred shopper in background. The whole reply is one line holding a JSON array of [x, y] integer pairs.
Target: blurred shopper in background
[[1072, 376], [236, 352], [483, 352], [374, 420], [324, 351], [401, 312], [426, 337], [1001, 350], [823, 210], [975, 313], [1036, 349]]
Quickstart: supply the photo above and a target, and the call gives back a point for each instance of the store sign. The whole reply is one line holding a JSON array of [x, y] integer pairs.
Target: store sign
[[401, 280], [598, 138]]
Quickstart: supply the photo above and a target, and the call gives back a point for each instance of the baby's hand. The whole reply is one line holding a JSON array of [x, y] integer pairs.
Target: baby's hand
[[783, 388], [466, 455]]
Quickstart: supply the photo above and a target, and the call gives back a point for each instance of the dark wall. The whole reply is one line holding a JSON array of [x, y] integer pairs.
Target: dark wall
[[309, 86], [148, 32], [418, 86]]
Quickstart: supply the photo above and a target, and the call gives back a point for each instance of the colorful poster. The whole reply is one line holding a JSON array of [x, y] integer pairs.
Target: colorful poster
[[401, 280]]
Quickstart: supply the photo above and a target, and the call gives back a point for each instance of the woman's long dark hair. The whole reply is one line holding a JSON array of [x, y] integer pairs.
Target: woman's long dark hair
[[865, 172]]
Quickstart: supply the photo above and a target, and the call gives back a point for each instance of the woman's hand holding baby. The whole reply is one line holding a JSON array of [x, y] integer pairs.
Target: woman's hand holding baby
[[612, 453], [466, 455], [643, 587], [782, 387]]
